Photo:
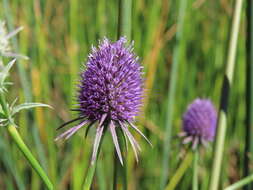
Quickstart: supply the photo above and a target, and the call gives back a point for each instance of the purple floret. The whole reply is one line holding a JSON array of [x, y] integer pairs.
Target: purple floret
[[199, 122]]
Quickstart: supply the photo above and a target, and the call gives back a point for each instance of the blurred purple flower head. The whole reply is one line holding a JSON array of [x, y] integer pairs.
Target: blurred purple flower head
[[199, 122], [110, 93]]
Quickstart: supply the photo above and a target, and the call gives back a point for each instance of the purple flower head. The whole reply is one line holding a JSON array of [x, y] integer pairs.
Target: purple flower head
[[199, 122], [112, 83], [110, 93]]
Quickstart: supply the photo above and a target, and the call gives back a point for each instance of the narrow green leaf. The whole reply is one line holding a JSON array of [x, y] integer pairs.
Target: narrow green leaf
[[20, 107]]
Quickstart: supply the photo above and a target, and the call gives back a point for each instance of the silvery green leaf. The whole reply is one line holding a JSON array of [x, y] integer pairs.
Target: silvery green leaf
[[20, 107], [4, 73]]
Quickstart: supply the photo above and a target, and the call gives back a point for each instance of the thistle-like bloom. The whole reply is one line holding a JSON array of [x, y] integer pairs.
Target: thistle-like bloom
[[199, 122], [110, 94], [5, 48]]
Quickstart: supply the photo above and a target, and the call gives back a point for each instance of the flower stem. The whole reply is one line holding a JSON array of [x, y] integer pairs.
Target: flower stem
[[195, 171], [26, 152], [180, 171], [92, 168], [240, 183], [120, 170], [90, 175], [227, 82], [115, 170]]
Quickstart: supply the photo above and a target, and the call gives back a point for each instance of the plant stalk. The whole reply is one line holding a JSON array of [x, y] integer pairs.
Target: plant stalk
[[26, 152], [92, 168], [120, 170], [227, 83], [195, 170], [180, 171], [90, 175]]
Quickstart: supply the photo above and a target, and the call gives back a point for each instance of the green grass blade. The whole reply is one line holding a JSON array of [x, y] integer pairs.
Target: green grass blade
[[227, 84], [171, 94], [125, 16], [240, 183], [249, 94], [22, 73]]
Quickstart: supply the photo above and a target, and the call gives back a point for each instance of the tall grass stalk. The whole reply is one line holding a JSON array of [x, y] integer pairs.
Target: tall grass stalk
[[227, 83], [171, 93], [249, 93], [26, 86], [125, 18]]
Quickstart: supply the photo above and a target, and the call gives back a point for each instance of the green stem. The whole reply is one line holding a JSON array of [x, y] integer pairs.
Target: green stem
[[180, 171], [26, 152], [222, 121], [195, 171], [92, 168], [171, 93], [115, 170], [90, 175], [125, 15], [240, 183], [120, 170]]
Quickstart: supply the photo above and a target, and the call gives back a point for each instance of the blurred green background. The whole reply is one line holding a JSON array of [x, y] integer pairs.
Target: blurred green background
[[57, 37]]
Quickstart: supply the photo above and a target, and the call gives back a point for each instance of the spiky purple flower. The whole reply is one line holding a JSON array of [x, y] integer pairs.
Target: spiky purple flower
[[199, 122], [110, 93]]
